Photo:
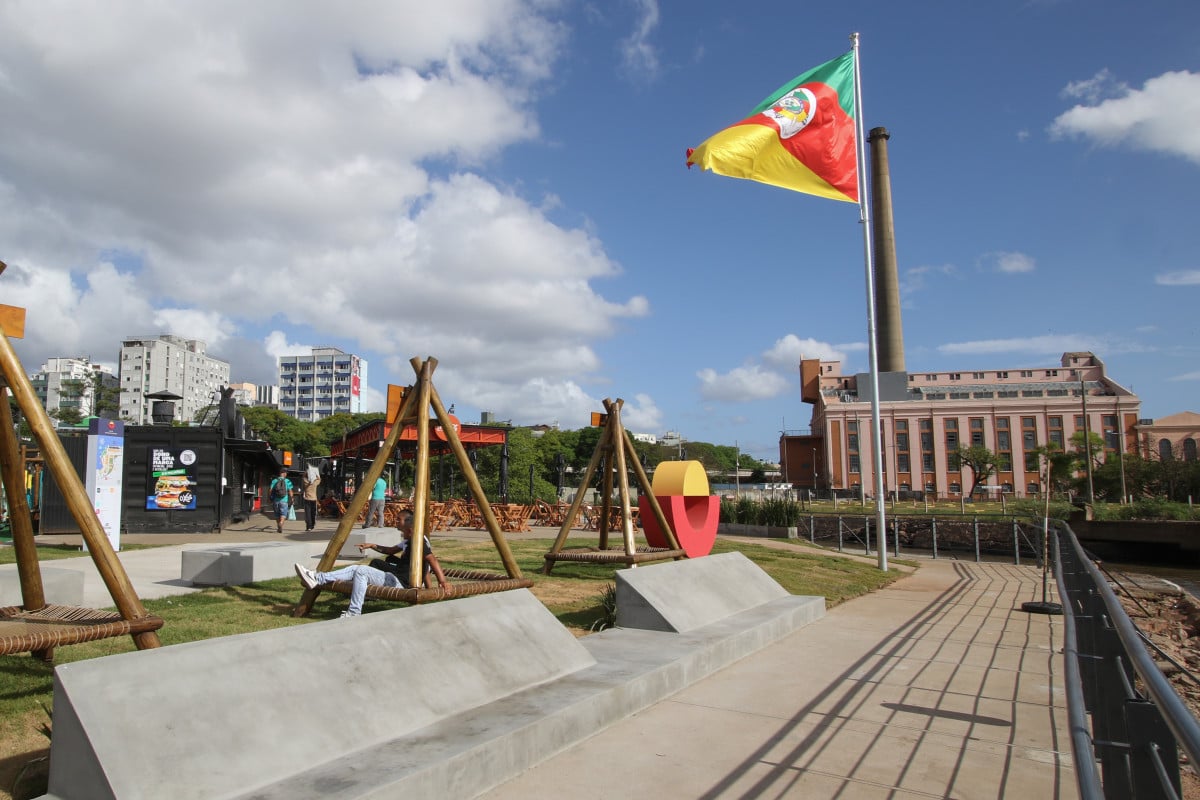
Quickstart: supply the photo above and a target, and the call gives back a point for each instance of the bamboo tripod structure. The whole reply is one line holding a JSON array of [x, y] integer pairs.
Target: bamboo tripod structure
[[415, 410], [616, 450], [41, 632]]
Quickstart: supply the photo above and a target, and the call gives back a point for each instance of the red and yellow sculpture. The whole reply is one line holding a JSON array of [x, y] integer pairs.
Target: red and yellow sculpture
[[681, 488]]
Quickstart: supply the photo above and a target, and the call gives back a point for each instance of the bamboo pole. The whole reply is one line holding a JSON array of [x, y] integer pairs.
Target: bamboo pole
[[618, 436], [81, 508], [575, 505], [606, 484], [644, 481], [361, 495], [421, 491], [485, 508], [33, 595]]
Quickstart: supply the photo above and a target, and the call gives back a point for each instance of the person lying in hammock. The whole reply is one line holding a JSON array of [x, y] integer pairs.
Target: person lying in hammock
[[390, 572]]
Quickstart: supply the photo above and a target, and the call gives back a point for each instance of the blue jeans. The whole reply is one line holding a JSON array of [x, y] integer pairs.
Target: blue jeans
[[361, 576]]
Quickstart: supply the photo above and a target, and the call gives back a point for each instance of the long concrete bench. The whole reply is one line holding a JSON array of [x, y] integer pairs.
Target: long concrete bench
[[236, 565], [442, 700], [61, 587]]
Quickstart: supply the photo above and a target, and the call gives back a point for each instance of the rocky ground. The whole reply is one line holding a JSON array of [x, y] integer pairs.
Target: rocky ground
[[1170, 618]]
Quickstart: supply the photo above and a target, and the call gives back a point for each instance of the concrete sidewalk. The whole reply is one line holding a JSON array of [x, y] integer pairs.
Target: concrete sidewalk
[[938, 686]]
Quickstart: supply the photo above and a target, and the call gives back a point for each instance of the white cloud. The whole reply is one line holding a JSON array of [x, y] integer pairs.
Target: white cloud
[[1163, 116], [1099, 87], [1187, 376], [638, 55], [1008, 263], [1184, 277], [914, 280], [786, 353], [1048, 345], [741, 384], [229, 171]]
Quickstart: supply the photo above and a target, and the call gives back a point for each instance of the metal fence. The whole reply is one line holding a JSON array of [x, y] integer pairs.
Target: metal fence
[[973, 536], [1138, 723]]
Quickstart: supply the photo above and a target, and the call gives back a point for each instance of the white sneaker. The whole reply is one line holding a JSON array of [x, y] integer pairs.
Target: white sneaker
[[347, 615], [307, 577]]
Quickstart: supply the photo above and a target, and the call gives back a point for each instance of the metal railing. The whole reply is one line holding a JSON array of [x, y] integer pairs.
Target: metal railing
[[1129, 747]]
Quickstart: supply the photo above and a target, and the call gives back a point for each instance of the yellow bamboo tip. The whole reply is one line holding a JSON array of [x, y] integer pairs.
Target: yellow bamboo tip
[[686, 478]]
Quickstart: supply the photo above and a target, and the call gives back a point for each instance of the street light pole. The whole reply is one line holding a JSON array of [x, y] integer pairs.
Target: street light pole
[[1087, 440]]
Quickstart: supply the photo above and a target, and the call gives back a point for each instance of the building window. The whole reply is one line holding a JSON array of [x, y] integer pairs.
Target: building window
[[1051, 373], [854, 468], [902, 442], [1001, 374], [1031, 393], [1164, 450], [977, 375], [977, 431], [954, 376], [902, 464], [1189, 449], [955, 488], [1026, 373], [852, 442], [1032, 488], [1056, 431]]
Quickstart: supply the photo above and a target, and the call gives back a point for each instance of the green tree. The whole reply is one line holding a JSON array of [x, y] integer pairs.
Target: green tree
[[981, 461], [66, 415], [105, 399], [283, 432]]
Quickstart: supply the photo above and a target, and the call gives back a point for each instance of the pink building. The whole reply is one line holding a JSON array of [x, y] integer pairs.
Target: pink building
[[1172, 437], [926, 416]]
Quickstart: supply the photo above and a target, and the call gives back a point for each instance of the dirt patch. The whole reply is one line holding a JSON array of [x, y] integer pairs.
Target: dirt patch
[[25, 763], [1170, 618]]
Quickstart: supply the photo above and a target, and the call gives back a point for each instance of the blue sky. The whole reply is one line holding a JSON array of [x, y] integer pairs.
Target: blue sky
[[501, 184]]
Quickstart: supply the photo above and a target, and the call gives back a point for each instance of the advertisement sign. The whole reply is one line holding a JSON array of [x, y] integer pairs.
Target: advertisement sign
[[105, 459], [172, 480], [355, 377]]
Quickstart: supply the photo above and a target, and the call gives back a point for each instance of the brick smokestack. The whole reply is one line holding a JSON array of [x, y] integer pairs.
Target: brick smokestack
[[889, 329]]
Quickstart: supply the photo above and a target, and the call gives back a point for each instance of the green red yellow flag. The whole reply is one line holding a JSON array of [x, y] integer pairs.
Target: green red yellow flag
[[802, 137]]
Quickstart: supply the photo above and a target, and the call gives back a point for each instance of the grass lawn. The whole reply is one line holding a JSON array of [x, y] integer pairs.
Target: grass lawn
[[573, 593]]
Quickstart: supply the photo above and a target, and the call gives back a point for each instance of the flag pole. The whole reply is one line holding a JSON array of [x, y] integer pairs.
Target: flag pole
[[865, 219]]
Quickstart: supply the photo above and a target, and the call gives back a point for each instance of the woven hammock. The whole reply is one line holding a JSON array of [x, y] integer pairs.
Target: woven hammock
[[464, 583], [50, 626], [615, 555]]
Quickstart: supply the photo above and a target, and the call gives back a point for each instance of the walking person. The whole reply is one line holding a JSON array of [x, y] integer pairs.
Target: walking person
[[309, 484], [391, 571], [281, 497], [378, 498]]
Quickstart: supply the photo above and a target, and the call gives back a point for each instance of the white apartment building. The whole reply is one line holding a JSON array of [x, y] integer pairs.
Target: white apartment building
[[69, 383], [266, 395], [154, 364], [326, 382]]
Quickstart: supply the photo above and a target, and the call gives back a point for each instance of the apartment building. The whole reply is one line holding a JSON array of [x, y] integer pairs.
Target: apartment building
[[69, 383], [153, 364], [327, 381]]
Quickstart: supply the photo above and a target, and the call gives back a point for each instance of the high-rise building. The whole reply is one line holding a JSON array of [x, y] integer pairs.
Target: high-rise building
[[69, 384], [266, 395], [326, 382], [154, 364]]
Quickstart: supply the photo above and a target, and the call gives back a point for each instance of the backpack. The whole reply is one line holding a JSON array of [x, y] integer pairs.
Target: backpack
[[278, 489]]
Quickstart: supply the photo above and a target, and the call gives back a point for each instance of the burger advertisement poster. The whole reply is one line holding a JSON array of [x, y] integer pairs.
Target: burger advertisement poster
[[172, 480]]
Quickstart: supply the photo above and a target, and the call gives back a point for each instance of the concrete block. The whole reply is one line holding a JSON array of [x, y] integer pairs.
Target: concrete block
[[681, 596], [236, 565], [62, 587], [388, 537], [235, 716]]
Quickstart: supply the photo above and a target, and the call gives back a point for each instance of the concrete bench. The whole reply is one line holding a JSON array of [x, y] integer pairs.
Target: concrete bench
[[442, 700], [388, 537], [235, 565], [61, 587]]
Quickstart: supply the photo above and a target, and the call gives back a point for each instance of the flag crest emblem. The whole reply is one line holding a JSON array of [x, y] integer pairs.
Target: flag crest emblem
[[793, 112]]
